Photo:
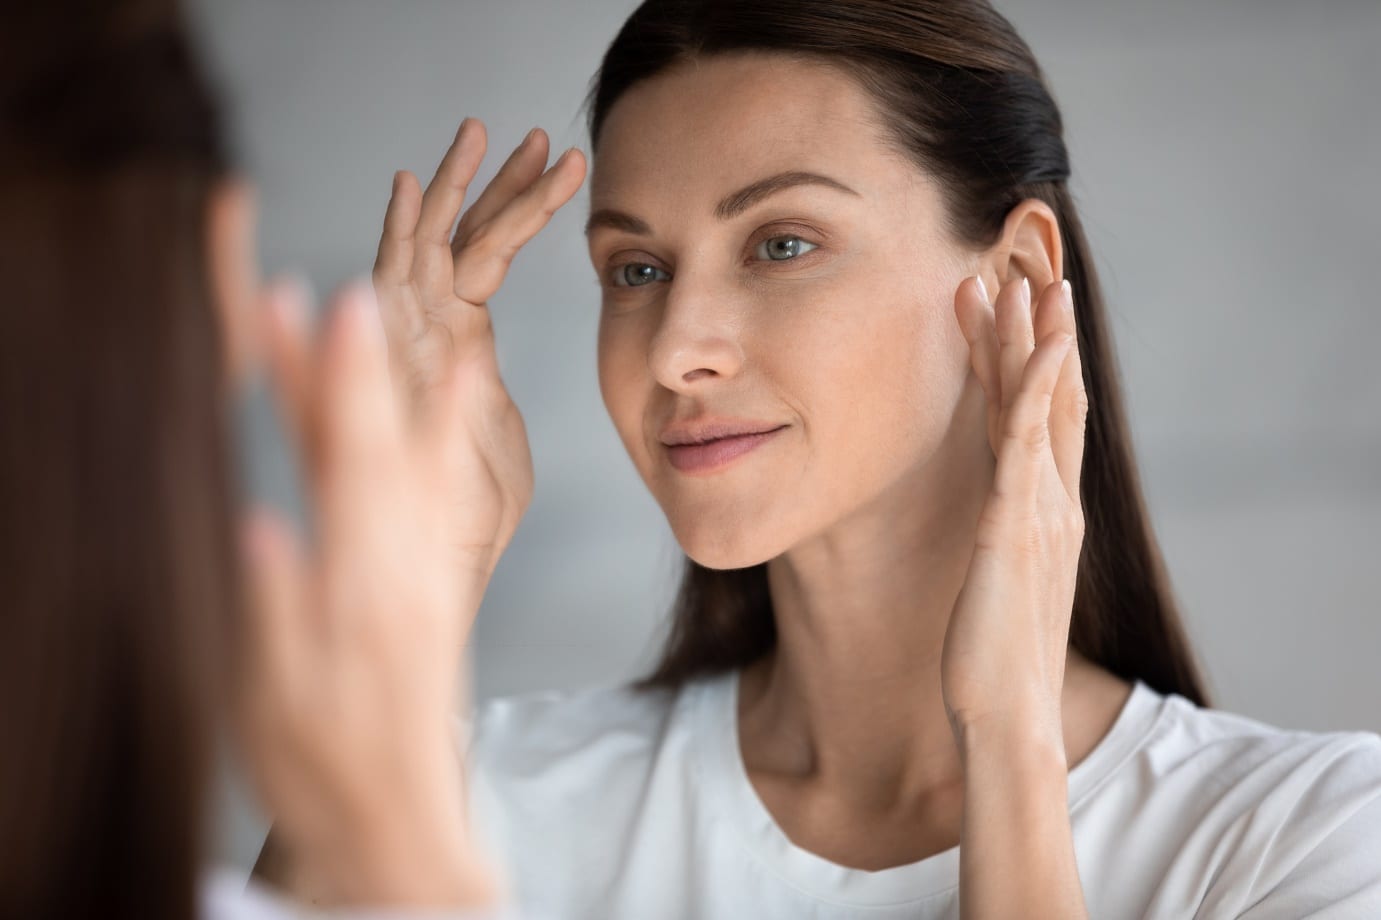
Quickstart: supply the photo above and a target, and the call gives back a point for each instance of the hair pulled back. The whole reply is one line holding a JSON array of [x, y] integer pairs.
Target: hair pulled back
[[963, 97]]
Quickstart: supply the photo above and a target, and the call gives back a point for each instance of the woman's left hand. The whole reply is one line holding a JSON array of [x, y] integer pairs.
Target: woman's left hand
[[1003, 662], [345, 703]]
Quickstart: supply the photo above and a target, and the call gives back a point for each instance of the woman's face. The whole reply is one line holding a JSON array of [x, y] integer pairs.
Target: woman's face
[[822, 301]]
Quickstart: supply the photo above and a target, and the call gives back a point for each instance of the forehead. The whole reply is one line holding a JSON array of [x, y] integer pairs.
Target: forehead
[[714, 123]]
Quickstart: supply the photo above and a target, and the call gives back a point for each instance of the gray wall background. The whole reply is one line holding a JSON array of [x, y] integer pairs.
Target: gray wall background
[[1225, 158]]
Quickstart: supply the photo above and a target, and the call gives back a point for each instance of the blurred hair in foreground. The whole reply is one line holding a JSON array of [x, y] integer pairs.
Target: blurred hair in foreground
[[115, 561]]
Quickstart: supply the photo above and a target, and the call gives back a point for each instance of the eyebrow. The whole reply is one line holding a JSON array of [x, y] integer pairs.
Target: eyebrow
[[730, 206], [617, 220], [740, 201]]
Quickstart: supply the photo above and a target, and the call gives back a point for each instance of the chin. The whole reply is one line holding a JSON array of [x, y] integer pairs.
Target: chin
[[728, 545]]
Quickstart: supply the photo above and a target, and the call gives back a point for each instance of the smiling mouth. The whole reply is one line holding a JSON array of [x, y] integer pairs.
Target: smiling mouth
[[716, 454]]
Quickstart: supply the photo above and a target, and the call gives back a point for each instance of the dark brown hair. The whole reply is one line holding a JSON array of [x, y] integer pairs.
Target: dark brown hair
[[963, 96], [115, 557]]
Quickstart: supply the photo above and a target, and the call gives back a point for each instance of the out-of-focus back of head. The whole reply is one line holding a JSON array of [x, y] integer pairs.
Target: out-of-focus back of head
[[116, 580], [99, 85]]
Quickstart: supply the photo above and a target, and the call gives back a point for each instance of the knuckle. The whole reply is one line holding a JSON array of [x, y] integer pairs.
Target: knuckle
[[1070, 525], [494, 240], [1078, 406], [987, 540], [1031, 435], [482, 239], [386, 277]]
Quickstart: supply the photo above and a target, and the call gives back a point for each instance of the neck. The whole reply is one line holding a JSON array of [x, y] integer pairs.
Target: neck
[[850, 699], [851, 693]]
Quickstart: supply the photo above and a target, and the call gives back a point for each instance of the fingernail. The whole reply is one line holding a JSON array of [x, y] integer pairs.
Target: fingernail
[[1025, 293], [528, 139], [982, 288], [566, 156], [1069, 293]]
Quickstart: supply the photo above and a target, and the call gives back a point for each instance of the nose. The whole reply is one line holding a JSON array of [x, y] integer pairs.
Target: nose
[[699, 337]]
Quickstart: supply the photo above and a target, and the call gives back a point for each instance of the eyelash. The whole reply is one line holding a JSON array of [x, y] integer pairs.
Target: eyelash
[[616, 272]]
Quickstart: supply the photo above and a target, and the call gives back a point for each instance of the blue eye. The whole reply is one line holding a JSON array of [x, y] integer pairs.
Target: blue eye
[[636, 274], [782, 248]]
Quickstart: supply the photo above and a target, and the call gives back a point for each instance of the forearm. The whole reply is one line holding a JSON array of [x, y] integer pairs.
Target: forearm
[[1017, 848]]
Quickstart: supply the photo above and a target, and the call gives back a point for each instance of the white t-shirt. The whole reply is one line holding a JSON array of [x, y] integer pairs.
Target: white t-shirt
[[609, 804], [227, 893]]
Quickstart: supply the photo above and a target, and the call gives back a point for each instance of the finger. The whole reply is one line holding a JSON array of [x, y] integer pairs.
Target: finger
[[234, 275], [446, 192], [441, 205], [1069, 408], [974, 314], [1049, 316], [291, 360], [1012, 317], [393, 263], [277, 623], [1025, 443], [985, 352], [481, 265], [359, 413], [522, 168]]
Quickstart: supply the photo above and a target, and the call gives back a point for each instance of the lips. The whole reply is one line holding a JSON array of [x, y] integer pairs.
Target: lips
[[710, 429], [715, 454]]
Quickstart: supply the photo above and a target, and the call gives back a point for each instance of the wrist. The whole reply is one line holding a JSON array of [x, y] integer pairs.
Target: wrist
[[1030, 745]]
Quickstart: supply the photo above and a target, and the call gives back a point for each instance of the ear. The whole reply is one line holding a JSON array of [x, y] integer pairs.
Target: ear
[[1029, 247], [233, 272]]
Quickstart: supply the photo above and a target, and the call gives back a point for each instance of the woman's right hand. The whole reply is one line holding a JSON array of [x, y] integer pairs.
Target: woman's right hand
[[433, 288]]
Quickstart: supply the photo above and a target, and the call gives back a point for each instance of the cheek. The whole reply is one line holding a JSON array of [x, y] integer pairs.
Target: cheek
[[623, 379], [927, 361], [877, 362]]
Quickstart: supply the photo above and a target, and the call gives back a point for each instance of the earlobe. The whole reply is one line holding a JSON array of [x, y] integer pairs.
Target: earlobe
[[1030, 246], [233, 271]]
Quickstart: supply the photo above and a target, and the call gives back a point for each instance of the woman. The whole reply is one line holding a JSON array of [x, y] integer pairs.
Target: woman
[[125, 241], [923, 603]]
